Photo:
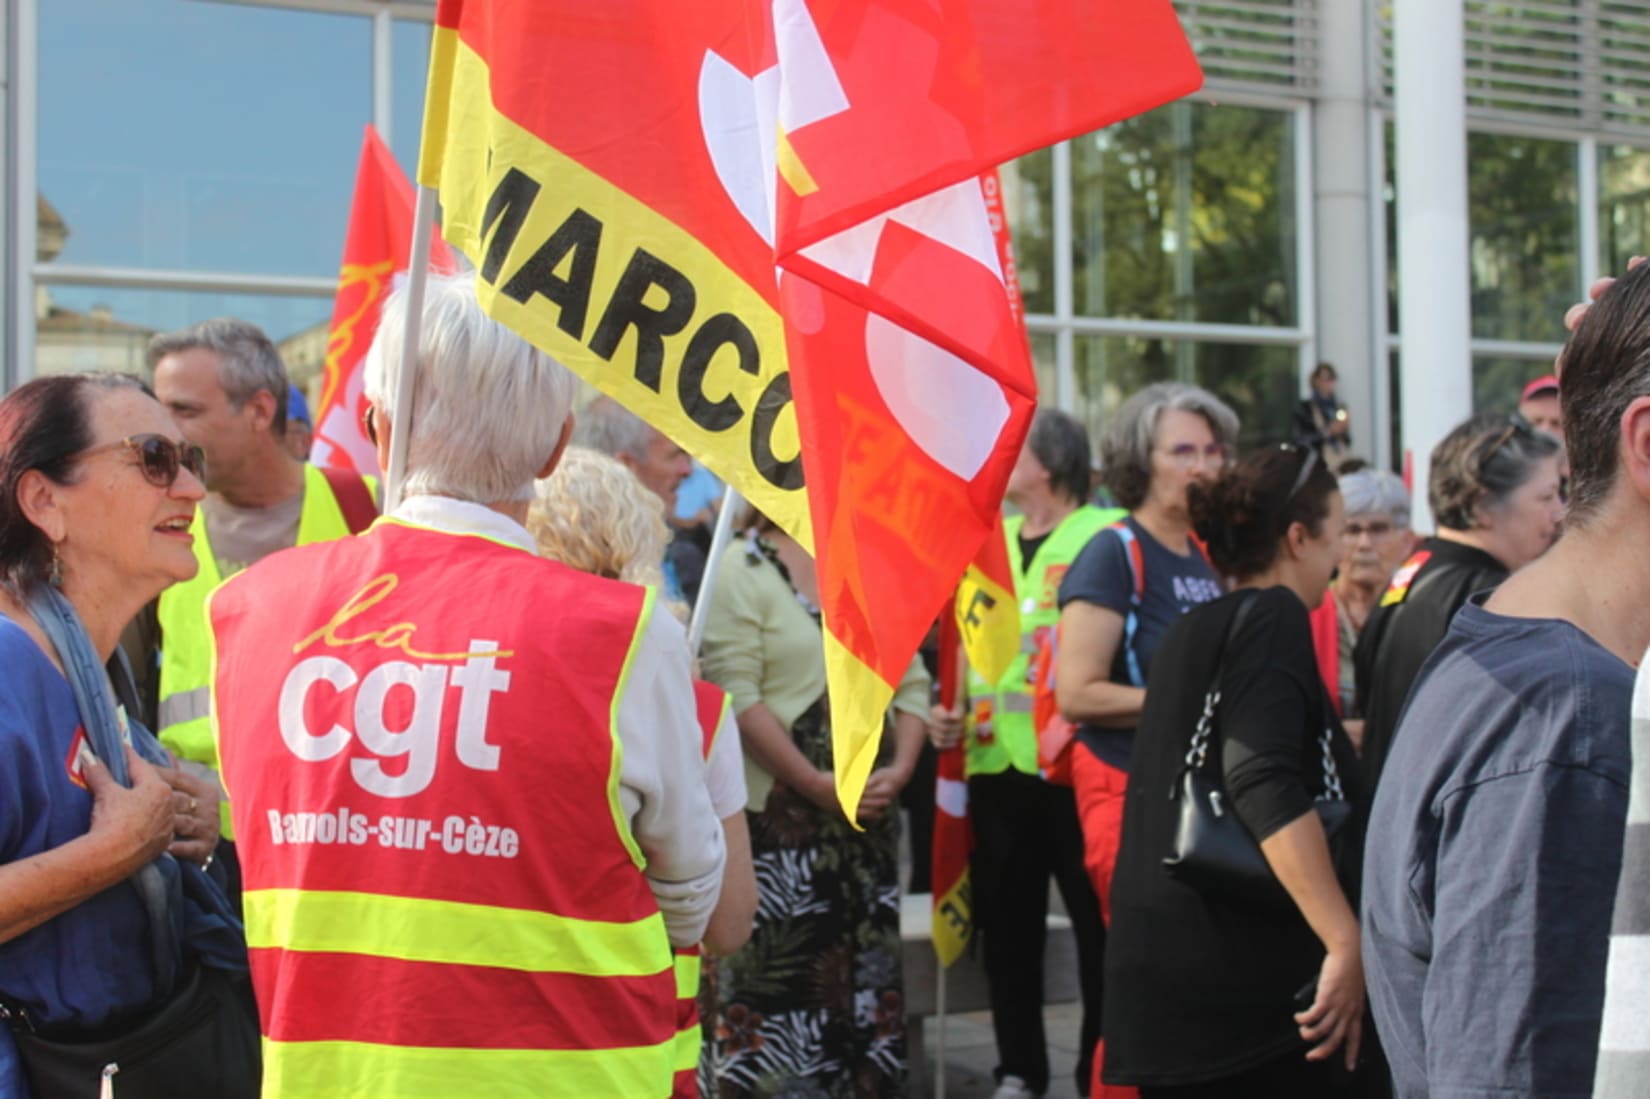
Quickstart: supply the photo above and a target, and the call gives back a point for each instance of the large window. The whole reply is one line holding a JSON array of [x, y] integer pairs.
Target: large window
[[1188, 214], [197, 158], [1183, 261], [1259, 382]]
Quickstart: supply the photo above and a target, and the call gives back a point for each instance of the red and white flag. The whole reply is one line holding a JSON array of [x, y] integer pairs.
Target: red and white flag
[[759, 224], [377, 245]]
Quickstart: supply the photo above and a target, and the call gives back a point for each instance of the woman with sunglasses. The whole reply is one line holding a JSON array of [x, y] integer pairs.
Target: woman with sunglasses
[[108, 927], [1212, 992], [1494, 493]]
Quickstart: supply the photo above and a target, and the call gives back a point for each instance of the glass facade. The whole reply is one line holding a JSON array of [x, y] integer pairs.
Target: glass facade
[[195, 158]]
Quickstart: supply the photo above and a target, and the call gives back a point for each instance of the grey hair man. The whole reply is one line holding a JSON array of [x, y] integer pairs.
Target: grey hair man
[[657, 462], [1488, 898], [225, 385], [549, 833]]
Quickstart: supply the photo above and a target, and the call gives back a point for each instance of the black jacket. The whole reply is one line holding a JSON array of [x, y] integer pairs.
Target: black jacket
[[1404, 628]]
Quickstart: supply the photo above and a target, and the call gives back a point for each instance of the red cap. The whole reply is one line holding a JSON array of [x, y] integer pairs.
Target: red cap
[[1540, 387]]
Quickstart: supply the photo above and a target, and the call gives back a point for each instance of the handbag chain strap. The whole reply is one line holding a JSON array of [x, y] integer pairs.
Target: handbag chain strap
[[1331, 774]]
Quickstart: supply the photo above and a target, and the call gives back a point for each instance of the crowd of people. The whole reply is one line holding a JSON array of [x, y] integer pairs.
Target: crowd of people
[[441, 803]]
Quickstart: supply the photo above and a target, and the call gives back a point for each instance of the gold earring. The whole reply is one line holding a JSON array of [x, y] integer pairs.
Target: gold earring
[[54, 575]]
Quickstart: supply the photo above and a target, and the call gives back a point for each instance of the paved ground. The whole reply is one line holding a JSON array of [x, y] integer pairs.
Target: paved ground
[[970, 1054]]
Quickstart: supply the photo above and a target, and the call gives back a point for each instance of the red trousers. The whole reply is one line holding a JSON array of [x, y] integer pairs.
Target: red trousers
[[1100, 790]]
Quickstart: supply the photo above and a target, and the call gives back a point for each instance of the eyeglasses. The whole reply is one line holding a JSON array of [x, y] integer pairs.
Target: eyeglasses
[[1377, 530], [1307, 466], [1186, 454], [160, 458]]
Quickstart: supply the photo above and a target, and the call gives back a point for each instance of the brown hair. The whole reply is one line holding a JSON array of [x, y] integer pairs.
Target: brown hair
[[1243, 514]]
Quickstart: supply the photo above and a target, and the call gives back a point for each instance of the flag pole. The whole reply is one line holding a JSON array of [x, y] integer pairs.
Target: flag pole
[[939, 1031], [719, 539], [952, 668], [418, 272]]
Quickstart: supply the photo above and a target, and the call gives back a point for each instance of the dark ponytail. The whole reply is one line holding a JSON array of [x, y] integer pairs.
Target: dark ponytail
[[1243, 514]]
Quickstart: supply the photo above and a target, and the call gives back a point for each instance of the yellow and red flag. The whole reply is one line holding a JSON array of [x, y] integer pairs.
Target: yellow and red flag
[[377, 244], [759, 225]]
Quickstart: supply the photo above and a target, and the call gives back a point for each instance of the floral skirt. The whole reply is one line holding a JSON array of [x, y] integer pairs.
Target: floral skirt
[[813, 1006]]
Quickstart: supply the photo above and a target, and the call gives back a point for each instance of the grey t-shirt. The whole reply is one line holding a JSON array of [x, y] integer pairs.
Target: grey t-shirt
[[1491, 862], [244, 536]]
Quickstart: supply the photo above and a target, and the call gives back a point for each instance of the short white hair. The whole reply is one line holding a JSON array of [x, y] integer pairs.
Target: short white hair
[[488, 407]]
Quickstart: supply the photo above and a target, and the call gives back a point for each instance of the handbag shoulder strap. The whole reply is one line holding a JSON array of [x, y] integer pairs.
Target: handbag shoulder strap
[[1204, 733]]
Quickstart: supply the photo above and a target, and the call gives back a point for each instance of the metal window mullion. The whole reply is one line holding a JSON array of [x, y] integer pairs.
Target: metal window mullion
[[1381, 355], [1065, 365], [383, 74], [1587, 194], [398, 9], [25, 167], [1514, 349], [144, 278], [1306, 209], [1197, 331]]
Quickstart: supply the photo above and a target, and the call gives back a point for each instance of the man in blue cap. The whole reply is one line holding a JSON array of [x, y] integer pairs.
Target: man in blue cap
[[300, 427]]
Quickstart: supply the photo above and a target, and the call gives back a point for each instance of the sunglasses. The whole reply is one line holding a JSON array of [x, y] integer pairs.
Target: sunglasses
[[160, 458], [1307, 466]]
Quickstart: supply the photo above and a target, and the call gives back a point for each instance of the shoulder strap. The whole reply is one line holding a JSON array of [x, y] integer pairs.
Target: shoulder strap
[[354, 500], [1136, 557]]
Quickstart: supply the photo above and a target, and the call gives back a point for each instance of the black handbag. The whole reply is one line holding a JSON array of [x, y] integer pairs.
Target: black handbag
[[201, 1044], [1213, 852]]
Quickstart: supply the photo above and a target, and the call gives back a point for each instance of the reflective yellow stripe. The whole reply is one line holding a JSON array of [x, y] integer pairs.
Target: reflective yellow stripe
[[419, 930], [687, 1048], [687, 975], [364, 1070]]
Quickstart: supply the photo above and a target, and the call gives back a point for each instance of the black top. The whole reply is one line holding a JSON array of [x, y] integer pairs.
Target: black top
[[1402, 631], [1199, 988], [1102, 575], [1313, 415]]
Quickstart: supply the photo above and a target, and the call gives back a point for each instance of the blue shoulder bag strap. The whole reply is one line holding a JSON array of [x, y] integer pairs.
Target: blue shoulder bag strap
[[94, 699], [1136, 558]]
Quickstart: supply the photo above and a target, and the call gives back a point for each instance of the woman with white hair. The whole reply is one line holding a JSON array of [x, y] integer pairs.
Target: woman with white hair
[[1374, 542], [594, 514]]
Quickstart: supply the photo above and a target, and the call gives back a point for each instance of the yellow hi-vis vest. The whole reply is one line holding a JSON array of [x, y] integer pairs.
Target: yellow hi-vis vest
[[1000, 735], [186, 650]]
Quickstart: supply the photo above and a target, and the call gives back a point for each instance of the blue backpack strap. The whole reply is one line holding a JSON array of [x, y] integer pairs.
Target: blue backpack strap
[[1136, 557]]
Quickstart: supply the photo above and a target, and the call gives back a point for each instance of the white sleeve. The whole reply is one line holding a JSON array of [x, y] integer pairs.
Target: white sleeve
[[725, 770], [662, 782]]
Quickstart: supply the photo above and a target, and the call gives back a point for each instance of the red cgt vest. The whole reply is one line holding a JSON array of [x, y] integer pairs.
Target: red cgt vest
[[442, 893]]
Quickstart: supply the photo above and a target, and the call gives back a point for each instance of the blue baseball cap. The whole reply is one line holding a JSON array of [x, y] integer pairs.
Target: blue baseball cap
[[296, 407]]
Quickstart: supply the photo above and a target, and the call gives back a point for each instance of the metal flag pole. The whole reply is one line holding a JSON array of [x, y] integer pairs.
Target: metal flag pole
[[418, 272], [719, 539], [939, 1031]]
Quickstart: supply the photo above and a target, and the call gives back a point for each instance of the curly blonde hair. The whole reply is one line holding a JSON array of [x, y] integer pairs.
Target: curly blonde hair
[[594, 515]]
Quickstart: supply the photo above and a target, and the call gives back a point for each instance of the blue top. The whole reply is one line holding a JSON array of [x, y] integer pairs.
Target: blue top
[[1490, 871], [698, 490], [1103, 575], [90, 964]]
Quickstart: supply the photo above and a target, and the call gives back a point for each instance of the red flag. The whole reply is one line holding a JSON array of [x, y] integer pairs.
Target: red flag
[[758, 224], [377, 245]]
